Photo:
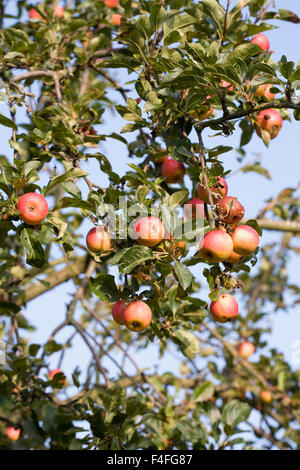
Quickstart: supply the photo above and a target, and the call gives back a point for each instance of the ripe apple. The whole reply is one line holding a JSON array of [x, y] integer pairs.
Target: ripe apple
[[33, 208], [262, 41], [59, 11], [149, 231], [220, 188], [116, 19], [201, 115], [264, 90], [194, 208], [34, 15], [245, 240], [225, 84], [246, 349], [12, 433], [98, 239], [216, 246], [224, 309], [111, 3], [53, 373], [173, 171], [266, 396], [269, 120], [234, 258], [230, 210], [117, 312], [137, 316]]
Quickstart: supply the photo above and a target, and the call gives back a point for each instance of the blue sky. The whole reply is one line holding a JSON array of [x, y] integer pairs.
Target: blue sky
[[281, 159]]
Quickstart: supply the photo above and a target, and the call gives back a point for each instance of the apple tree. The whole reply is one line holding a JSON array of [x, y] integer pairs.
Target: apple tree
[[201, 283]]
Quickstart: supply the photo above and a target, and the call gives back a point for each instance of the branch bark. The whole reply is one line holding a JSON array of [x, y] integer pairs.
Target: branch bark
[[57, 277]]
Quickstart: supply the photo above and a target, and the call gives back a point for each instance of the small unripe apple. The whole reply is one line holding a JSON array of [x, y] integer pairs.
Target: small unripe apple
[[269, 120], [246, 349], [12, 433], [59, 11], [177, 244], [173, 171], [34, 15], [228, 85], [111, 3], [262, 41], [224, 309], [216, 246], [230, 210], [245, 240], [266, 396], [201, 115], [234, 258], [137, 316], [98, 239], [220, 188], [194, 208], [116, 19], [33, 208], [149, 231], [117, 312]]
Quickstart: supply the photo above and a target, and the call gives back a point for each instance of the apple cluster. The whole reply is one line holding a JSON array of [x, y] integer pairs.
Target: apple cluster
[[136, 316]]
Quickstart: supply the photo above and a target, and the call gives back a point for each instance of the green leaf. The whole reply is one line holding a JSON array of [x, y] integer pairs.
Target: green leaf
[[188, 343], [7, 122], [72, 174], [134, 256], [257, 168], [177, 198], [204, 392], [183, 274], [104, 287], [235, 412], [34, 250]]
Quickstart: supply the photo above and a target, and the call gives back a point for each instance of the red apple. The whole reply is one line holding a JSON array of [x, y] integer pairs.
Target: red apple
[[137, 316], [173, 171], [245, 240], [149, 231], [234, 258], [266, 396], [12, 433], [220, 188], [54, 372], [224, 309], [246, 349], [230, 210], [111, 3], [262, 41], [116, 19], [98, 239], [269, 120], [33, 208], [117, 312], [34, 15], [59, 11], [216, 246], [264, 90], [225, 84], [194, 208]]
